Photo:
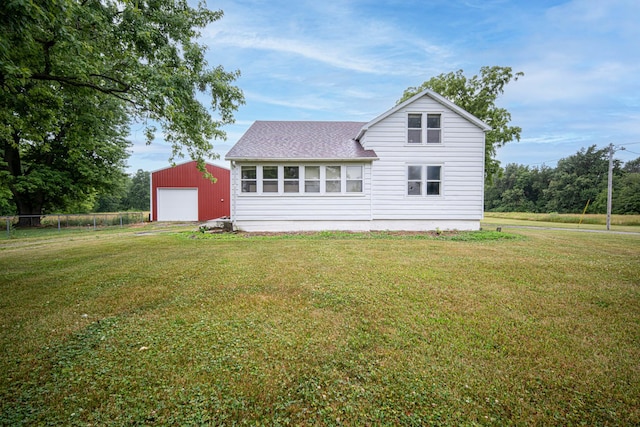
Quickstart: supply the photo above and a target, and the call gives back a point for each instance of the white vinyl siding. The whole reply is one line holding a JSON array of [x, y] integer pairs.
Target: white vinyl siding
[[460, 153], [307, 206]]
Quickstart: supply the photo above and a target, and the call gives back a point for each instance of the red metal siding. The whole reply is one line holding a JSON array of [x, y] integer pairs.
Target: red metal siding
[[214, 199]]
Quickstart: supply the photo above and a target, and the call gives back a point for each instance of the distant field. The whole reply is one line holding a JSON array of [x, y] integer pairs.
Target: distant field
[[150, 326], [590, 221]]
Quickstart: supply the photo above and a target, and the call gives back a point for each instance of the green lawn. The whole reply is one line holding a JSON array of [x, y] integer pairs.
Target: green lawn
[[529, 327]]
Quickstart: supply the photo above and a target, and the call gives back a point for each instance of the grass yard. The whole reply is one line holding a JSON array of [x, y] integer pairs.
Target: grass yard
[[529, 327]]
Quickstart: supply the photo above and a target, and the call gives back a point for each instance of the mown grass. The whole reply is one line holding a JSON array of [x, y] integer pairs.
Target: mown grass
[[322, 329]]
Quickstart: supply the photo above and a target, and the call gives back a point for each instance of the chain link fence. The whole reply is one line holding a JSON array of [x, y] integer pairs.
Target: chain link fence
[[61, 222]]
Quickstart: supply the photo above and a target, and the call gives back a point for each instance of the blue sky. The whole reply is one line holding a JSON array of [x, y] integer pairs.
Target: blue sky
[[352, 60]]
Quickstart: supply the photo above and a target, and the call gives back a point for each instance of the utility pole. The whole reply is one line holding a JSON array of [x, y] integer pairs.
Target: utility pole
[[610, 186]]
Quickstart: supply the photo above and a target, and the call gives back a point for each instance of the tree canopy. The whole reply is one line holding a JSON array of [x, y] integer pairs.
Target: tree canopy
[[74, 74], [478, 96]]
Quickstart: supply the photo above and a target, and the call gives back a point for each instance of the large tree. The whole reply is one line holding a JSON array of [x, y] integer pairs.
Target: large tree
[[478, 96], [74, 73]]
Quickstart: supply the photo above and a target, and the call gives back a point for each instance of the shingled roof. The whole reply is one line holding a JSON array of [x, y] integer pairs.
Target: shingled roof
[[300, 140]]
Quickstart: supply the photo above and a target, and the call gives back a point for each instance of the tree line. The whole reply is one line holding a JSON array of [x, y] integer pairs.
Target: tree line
[[577, 182]]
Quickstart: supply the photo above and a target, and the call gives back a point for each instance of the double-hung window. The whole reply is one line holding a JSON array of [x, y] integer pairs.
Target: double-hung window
[[248, 179], [270, 179], [414, 175], [434, 180], [434, 131], [354, 179], [333, 179], [291, 179], [424, 180], [414, 129], [312, 179]]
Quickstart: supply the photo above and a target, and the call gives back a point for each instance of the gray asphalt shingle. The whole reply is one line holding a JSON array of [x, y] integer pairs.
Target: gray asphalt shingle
[[300, 140]]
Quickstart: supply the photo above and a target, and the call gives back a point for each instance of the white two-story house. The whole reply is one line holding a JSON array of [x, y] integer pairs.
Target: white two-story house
[[418, 166]]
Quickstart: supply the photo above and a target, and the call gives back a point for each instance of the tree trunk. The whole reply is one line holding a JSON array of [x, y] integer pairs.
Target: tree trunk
[[26, 204]]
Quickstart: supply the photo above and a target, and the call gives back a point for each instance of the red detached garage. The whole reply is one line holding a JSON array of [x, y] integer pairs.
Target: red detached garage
[[181, 193]]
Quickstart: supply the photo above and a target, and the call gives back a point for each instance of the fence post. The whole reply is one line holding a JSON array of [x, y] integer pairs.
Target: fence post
[[59, 223], [120, 219], [94, 222], [8, 227]]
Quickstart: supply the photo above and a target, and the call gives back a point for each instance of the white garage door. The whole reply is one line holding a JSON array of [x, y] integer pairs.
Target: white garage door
[[177, 204]]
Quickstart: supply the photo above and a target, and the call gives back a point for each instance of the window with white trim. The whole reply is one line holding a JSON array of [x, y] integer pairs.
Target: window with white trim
[[414, 175], [333, 179], [434, 131], [424, 180], [291, 179], [270, 179], [414, 128], [417, 133], [354, 179], [434, 180], [312, 179], [248, 179]]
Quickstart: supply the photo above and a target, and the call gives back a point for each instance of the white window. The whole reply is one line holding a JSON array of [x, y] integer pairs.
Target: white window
[[302, 179], [248, 179], [434, 180], [414, 129], [270, 179], [354, 179], [416, 132], [333, 179], [424, 180], [312, 179], [291, 179], [433, 129], [414, 175]]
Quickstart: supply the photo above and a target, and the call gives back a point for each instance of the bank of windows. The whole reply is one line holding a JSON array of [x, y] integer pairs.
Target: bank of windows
[[416, 131], [302, 179], [424, 180]]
